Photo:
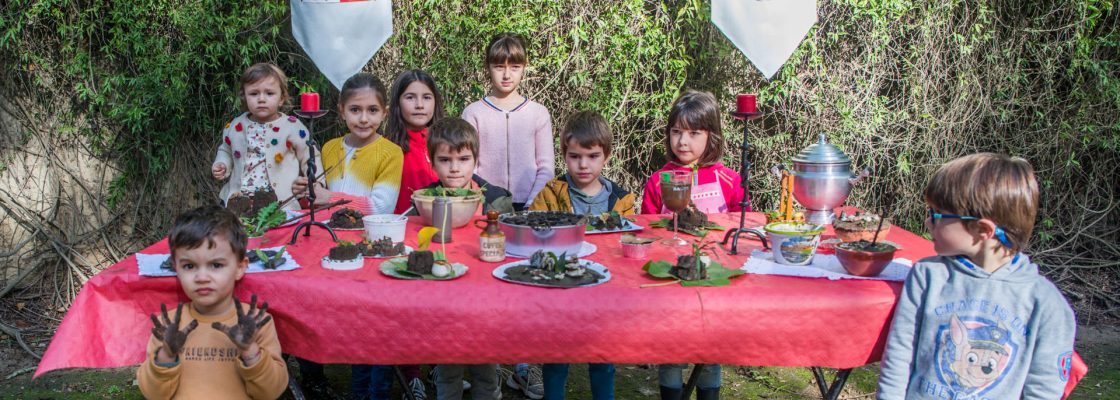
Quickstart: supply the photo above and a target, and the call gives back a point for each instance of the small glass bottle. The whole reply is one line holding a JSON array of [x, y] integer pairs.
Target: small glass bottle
[[492, 242]]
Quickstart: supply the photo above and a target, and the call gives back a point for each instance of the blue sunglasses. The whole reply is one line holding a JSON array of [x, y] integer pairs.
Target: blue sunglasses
[[1000, 234]]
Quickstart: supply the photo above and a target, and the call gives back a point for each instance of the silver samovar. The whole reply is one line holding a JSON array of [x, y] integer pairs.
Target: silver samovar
[[822, 179]]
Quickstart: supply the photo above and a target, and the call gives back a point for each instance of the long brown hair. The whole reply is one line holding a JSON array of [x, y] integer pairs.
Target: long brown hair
[[698, 111], [396, 129]]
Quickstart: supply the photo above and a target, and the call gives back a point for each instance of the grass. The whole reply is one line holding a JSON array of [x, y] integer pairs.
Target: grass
[[1101, 351]]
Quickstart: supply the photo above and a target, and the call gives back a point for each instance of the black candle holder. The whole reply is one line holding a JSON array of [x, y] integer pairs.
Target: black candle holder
[[745, 203], [311, 116]]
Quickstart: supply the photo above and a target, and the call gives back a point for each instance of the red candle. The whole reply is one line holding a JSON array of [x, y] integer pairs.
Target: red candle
[[745, 103], [309, 102]]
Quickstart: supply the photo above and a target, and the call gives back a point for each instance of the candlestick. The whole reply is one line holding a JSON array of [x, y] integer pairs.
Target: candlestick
[[309, 102], [746, 103], [745, 110]]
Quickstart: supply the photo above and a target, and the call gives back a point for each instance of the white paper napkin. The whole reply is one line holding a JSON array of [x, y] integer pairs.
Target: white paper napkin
[[150, 264], [823, 266]]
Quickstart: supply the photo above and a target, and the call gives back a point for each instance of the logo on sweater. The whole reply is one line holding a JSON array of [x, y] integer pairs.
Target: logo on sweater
[[973, 355], [1065, 365], [210, 354]]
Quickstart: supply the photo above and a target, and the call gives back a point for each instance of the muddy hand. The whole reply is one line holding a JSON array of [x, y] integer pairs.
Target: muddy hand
[[167, 330], [247, 323], [299, 187]]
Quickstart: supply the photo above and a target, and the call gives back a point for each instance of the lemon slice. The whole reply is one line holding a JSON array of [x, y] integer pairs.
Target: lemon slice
[[425, 237]]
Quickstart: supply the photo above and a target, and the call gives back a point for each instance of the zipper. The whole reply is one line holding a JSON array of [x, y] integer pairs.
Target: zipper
[[509, 178]]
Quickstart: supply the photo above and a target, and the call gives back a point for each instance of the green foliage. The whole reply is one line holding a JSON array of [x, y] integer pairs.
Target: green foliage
[[156, 71], [267, 217], [449, 192]]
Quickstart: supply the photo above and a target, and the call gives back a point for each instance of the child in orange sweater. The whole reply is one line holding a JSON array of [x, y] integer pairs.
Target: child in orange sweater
[[236, 355]]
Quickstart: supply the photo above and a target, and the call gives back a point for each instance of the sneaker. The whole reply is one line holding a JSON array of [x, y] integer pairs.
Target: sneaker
[[466, 385], [419, 392], [530, 383]]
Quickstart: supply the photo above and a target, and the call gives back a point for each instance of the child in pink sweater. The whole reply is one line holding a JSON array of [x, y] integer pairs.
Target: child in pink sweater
[[515, 133], [694, 138]]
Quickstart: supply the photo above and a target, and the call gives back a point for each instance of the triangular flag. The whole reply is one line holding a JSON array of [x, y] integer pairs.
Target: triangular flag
[[766, 31], [341, 36]]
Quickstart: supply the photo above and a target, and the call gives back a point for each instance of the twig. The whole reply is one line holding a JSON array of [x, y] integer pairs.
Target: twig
[[649, 285], [317, 209], [19, 372], [13, 332]]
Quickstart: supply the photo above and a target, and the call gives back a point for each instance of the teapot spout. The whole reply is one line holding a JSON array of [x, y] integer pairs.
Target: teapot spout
[[862, 174]]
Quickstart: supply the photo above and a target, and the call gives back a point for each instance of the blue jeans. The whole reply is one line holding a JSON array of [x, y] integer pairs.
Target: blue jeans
[[671, 376], [555, 378], [371, 381]]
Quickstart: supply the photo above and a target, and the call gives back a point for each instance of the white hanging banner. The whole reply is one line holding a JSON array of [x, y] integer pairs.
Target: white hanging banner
[[766, 31], [341, 36]]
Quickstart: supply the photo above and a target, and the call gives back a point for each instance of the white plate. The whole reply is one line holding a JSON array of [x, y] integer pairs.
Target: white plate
[[627, 226], [389, 268], [407, 251], [585, 250], [500, 273]]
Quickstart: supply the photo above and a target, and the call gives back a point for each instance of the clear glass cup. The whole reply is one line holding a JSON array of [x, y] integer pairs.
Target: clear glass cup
[[676, 193]]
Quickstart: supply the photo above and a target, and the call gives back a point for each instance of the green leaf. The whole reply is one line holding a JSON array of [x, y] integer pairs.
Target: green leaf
[[667, 224], [659, 269], [718, 271], [718, 275], [710, 282], [402, 268]]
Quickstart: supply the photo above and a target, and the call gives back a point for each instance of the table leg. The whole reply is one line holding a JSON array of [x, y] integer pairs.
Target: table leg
[[686, 392], [831, 392], [293, 385], [404, 383]]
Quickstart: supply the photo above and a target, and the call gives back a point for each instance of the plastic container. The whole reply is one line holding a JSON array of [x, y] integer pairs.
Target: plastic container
[[634, 247], [794, 243], [381, 225]]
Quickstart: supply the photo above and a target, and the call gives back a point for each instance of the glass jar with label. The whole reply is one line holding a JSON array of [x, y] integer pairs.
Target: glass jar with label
[[492, 242]]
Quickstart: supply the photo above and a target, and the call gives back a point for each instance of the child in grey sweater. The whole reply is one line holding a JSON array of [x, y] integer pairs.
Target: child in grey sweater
[[978, 321]]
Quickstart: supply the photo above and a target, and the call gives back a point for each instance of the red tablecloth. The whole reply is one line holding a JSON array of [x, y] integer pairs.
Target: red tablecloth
[[364, 317]]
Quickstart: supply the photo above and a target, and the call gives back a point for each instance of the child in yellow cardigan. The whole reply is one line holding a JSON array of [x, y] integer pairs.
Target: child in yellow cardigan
[[236, 354], [586, 145], [362, 166]]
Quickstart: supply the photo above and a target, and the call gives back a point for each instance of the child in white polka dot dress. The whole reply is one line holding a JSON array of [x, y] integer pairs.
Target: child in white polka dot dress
[[262, 148]]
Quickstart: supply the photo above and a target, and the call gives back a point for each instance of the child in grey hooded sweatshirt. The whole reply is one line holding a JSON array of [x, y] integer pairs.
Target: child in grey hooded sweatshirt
[[977, 321]]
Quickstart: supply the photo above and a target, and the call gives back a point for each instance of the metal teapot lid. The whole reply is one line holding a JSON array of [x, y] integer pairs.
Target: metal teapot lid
[[822, 152]]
